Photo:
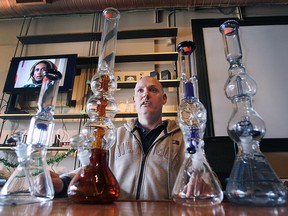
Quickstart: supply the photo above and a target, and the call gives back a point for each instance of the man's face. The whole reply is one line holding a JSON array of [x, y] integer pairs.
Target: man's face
[[149, 96], [39, 71]]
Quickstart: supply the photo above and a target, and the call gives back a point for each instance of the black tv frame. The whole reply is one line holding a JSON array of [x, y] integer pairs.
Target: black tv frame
[[65, 86], [68, 77]]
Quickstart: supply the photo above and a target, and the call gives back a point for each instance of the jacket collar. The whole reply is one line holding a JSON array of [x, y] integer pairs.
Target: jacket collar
[[171, 126]]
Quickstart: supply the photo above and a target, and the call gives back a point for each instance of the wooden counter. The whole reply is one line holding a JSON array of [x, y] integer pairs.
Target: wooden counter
[[137, 208]]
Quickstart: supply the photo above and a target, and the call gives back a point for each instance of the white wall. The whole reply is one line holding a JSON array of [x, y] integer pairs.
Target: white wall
[[266, 62]]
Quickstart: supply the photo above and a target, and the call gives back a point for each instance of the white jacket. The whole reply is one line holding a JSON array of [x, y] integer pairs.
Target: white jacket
[[149, 177]]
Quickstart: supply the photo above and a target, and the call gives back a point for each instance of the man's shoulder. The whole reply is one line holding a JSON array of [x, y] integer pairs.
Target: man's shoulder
[[172, 125], [31, 85], [128, 125]]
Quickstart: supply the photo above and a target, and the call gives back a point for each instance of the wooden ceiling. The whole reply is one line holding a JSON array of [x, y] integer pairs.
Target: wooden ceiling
[[20, 8]]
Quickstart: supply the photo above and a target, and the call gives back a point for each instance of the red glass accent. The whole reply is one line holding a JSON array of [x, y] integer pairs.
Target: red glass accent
[[95, 183]]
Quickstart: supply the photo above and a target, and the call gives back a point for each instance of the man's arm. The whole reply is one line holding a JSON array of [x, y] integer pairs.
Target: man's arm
[[60, 184]]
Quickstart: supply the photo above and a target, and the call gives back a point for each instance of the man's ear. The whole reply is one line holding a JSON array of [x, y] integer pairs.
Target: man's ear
[[164, 98]]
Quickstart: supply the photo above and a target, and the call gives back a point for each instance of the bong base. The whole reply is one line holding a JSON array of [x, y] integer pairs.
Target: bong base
[[198, 201], [20, 199], [95, 183]]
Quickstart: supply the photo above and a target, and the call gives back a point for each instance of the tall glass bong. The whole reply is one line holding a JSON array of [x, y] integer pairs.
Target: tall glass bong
[[252, 180], [31, 181], [95, 183], [196, 184]]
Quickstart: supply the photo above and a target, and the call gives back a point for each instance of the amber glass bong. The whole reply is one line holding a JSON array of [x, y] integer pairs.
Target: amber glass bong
[[31, 181], [252, 180], [196, 184], [95, 183]]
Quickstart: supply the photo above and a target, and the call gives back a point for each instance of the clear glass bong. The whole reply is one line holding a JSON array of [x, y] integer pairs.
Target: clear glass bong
[[31, 181], [95, 183], [196, 184], [252, 180]]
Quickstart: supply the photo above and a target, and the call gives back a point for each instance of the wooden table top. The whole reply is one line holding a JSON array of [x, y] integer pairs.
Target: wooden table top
[[137, 208]]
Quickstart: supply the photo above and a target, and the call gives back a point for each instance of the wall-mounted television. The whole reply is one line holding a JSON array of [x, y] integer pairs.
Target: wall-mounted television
[[20, 78]]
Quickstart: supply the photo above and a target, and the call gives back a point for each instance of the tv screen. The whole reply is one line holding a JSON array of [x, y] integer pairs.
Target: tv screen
[[25, 73]]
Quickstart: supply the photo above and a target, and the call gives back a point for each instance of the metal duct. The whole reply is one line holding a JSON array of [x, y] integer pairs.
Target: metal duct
[[11, 9]]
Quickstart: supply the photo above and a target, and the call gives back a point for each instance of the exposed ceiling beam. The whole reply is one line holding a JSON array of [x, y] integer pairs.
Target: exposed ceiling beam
[[12, 9]]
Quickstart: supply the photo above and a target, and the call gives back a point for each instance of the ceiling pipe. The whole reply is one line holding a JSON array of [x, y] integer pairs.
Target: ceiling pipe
[[11, 9]]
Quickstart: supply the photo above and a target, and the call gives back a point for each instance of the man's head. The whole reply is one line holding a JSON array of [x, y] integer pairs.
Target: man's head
[[38, 69], [149, 98]]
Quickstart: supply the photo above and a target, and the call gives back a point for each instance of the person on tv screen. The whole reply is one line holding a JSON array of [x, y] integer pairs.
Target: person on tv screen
[[37, 73]]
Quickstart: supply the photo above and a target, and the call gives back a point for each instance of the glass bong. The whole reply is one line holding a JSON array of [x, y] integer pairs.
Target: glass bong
[[31, 181], [95, 183], [252, 180], [196, 184]]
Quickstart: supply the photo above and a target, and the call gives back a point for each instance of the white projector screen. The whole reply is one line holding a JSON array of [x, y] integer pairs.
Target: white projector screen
[[265, 57]]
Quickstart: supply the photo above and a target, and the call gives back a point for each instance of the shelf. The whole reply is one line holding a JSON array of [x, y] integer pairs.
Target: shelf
[[120, 84], [131, 84], [134, 114], [96, 36], [75, 116], [142, 57], [12, 148], [29, 116]]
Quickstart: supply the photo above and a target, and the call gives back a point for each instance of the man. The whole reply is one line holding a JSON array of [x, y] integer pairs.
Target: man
[[37, 73], [148, 151]]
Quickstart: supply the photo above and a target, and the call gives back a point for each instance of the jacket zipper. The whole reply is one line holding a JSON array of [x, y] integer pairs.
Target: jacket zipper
[[140, 178], [142, 167]]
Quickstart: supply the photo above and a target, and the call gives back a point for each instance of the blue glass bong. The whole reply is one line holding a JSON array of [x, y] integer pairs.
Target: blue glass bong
[[252, 180], [31, 181], [196, 184]]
